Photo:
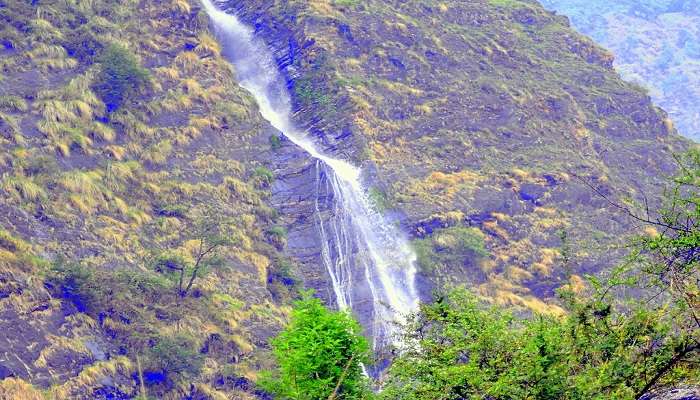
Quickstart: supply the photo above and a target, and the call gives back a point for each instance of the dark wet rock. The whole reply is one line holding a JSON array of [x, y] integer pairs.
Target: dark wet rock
[[679, 393], [295, 193], [6, 372], [110, 393], [532, 193], [344, 31]]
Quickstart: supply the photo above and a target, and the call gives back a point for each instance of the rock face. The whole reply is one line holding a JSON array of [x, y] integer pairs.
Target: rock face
[[681, 393], [484, 114], [297, 193], [43, 340]]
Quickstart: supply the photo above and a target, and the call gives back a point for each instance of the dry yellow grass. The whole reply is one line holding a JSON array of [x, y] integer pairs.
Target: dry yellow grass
[[91, 375], [17, 389], [60, 343], [493, 228], [208, 46], [442, 186], [23, 188]]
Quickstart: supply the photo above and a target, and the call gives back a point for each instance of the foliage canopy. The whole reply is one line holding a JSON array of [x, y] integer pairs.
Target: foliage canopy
[[320, 355]]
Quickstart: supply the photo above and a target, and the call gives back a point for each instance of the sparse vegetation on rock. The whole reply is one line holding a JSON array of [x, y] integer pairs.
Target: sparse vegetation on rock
[[121, 76]]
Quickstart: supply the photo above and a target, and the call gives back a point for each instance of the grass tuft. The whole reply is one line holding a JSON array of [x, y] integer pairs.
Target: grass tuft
[[13, 103]]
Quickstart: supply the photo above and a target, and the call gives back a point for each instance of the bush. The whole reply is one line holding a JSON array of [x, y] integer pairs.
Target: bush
[[320, 355], [458, 348], [263, 177], [275, 142], [277, 235], [177, 355], [378, 199], [451, 247], [121, 76], [281, 281]]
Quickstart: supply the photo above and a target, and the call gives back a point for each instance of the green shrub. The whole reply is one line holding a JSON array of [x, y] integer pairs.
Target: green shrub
[[281, 282], [277, 231], [277, 235], [177, 357], [275, 142], [320, 355], [121, 76], [452, 247], [378, 199], [263, 177]]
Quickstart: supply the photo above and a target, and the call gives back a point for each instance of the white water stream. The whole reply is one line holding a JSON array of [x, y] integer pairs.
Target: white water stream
[[367, 258]]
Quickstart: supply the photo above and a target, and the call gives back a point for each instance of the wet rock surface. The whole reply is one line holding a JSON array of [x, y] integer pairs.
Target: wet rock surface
[[680, 393], [296, 194]]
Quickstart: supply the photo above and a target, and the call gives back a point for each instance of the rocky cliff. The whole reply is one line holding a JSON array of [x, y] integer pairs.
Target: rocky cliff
[[482, 124]]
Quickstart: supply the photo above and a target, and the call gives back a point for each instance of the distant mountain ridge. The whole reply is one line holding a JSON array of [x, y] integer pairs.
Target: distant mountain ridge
[[656, 44]]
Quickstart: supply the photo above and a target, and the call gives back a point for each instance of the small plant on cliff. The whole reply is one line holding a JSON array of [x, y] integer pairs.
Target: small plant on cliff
[[275, 142], [320, 356], [121, 76], [199, 250]]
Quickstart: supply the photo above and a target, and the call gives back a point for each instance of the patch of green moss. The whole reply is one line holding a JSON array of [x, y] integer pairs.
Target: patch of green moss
[[455, 247]]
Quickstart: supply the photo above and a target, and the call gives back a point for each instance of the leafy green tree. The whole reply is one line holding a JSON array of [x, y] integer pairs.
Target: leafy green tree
[[666, 263], [458, 348], [320, 356], [197, 249], [120, 77], [635, 331]]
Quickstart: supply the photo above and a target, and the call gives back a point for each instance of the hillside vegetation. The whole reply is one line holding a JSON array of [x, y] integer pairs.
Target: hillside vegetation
[[632, 335], [134, 257]]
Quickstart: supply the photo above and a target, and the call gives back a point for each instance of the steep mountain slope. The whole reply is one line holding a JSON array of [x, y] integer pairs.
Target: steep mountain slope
[[99, 204], [470, 118], [476, 118], [656, 44]]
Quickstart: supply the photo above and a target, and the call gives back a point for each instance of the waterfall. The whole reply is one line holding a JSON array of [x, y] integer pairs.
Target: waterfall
[[369, 261]]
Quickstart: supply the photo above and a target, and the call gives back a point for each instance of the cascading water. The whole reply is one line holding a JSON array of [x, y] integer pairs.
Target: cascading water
[[367, 258]]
